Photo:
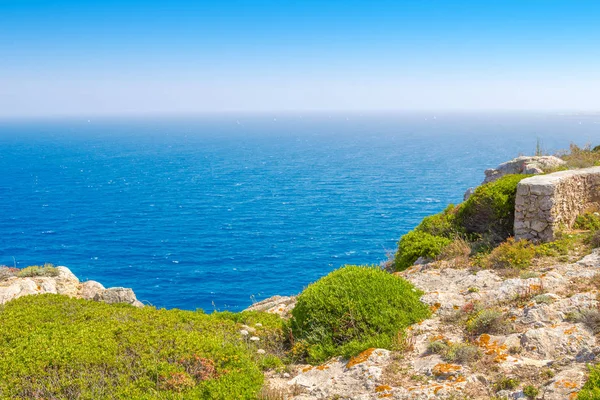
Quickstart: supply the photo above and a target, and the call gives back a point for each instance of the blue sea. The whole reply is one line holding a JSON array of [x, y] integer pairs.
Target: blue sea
[[218, 211]]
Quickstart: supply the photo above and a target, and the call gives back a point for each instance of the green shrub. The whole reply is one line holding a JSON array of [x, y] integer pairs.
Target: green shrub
[[531, 391], [417, 244], [352, 309], [36, 270], [588, 222], [506, 383], [511, 254], [55, 347], [488, 320], [491, 208], [437, 347], [442, 224], [462, 353], [581, 157], [591, 389]]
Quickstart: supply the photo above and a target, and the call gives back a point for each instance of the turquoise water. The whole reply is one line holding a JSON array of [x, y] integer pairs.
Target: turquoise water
[[215, 212]]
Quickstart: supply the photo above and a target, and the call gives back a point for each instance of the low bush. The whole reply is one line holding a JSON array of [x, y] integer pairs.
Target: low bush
[[352, 309], [591, 389], [37, 270], [462, 353], [417, 244], [442, 224], [458, 248], [531, 392], [491, 209], [511, 254], [588, 222], [53, 347], [581, 157], [488, 320], [506, 383]]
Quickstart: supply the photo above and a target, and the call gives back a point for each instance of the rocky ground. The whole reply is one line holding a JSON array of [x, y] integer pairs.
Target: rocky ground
[[64, 282], [545, 337]]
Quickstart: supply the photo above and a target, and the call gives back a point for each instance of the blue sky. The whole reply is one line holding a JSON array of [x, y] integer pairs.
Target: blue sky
[[120, 57]]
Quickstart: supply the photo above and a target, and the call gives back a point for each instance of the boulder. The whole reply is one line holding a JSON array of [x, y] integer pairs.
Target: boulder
[[523, 165], [118, 295], [90, 289]]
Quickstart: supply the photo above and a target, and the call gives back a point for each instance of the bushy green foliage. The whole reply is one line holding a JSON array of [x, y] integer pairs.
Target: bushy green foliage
[[352, 309], [37, 270], [591, 389], [442, 224], [417, 244], [511, 254], [588, 222], [488, 320], [462, 353], [52, 346], [581, 157], [531, 391], [506, 383], [491, 208]]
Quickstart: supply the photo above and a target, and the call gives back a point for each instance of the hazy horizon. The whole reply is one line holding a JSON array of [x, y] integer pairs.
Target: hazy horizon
[[178, 58]]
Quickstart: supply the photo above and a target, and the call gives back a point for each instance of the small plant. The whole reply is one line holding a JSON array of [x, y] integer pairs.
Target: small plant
[[591, 389], [531, 391], [353, 309], [511, 254], [543, 299], [589, 317], [437, 347], [462, 353], [37, 270], [488, 320], [458, 249], [506, 383], [416, 244], [588, 222], [473, 290]]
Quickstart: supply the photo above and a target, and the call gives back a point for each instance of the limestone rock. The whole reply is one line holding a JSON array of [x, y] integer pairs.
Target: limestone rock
[[91, 289], [523, 165], [117, 295], [280, 305]]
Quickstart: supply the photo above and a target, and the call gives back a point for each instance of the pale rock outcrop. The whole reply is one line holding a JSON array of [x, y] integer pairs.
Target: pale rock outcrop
[[529, 165], [523, 165], [542, 339], [64, 283], [280, 305]]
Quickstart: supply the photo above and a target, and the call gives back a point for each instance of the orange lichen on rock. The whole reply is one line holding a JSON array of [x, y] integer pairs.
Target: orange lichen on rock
[[566, 384], [361, 358], [445, 369], [306, 369], [492, 348], [384, 395], [435, 307], [322, 367], [437, 389], [382, 388], [570, 330]]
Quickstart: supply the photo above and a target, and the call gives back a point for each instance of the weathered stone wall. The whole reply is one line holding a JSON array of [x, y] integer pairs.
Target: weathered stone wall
[[545, 203]]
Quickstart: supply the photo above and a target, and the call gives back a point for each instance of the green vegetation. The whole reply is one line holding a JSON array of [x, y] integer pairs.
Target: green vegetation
[[531, 391], [591, 389], [52, 346], [581, 157], [462, 353], [511, 254], [488, 320], [417, 244], [588, 222], [352, 309], [442, 224], [37, 270], [506, 383], [490, 210]]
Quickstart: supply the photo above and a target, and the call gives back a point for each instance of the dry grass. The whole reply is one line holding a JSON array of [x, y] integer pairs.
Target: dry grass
[[580, 157]]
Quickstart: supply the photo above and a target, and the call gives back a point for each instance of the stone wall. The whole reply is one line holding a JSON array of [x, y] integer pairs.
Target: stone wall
[[545, 203]]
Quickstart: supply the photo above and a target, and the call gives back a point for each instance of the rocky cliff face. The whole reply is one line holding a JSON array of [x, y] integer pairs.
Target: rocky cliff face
[[542, 331], [64, 282]]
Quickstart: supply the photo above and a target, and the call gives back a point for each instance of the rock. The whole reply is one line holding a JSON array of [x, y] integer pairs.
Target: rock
[[90, 289], [118, 295], [566, 384], [468, 193], [17, 287], [280, 305], [591, 260], [558, 341], [523, 165]]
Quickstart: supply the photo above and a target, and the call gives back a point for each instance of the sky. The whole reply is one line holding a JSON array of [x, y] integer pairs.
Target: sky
[[85, 58]]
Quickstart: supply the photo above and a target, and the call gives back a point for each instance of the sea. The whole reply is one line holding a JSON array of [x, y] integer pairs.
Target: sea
[[218, 211]]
